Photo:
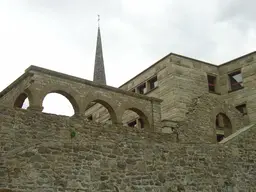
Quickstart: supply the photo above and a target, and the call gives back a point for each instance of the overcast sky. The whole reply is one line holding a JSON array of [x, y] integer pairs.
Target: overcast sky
[[61, 34]]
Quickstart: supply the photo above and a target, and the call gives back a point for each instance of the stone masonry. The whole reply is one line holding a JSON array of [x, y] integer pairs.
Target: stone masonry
[[37, 82], [40, 153], [199, 132]]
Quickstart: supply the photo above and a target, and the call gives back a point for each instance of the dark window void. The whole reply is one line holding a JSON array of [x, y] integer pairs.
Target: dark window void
[[236, 80], [20, 100], [136, 123], [133, 90], [153, 83], [220, 137], [142, 88], [132, 123], [242, 109], [211, 83], [89, 117]]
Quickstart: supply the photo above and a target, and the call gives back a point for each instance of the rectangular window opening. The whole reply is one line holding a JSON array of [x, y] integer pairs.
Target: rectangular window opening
[[89, 117], [236, 80], [242, 109], [142, 88], [211, 83], [153, 83]]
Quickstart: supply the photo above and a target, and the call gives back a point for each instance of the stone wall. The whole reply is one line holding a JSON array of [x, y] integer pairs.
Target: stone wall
[[39, 154], [200, 125], [81, 93], [247, 95]]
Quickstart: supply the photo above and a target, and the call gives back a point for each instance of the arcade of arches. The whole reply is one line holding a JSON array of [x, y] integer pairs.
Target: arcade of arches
[[104, 114]]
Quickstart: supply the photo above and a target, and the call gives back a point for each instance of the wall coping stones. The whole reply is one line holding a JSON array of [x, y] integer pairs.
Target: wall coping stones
[[14, 83], [88, 82], [237, 133], [30, 71]]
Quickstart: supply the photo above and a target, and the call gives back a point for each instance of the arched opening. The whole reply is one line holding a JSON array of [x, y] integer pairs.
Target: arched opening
[[22, 101], [101, 112], [60, 103], [135, 118], [223, 127]]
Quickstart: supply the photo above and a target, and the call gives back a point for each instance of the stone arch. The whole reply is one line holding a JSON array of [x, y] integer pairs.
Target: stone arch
[[107, 105], [223, 126], [19, 101], [68, 95], [142, 118]]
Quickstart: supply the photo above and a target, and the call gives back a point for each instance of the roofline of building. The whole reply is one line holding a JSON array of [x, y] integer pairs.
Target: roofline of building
[[175, 54], [162, 60], [238, 58]]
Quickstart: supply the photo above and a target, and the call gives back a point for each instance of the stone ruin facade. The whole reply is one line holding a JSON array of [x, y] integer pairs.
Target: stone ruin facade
[[194, 130]]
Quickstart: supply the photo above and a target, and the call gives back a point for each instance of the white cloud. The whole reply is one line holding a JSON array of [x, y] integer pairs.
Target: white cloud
[[61, 34]]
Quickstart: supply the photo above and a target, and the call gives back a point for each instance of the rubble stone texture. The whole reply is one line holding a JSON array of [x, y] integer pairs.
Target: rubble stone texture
[[176, 151]]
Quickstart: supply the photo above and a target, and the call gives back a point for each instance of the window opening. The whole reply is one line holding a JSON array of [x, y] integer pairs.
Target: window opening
[[211, 83], [242, 109], [90, 117], [132, 124], [236, 80], [153, 83], [223, 127], [142, 88]]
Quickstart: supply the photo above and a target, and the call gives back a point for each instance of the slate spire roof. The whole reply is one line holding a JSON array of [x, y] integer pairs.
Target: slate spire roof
[[99, 69]]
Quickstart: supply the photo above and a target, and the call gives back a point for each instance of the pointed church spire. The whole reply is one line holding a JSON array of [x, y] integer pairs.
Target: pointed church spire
[[99, 70]]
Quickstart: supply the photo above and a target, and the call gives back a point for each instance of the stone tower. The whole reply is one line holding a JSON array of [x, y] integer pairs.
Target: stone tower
[[99, 70]]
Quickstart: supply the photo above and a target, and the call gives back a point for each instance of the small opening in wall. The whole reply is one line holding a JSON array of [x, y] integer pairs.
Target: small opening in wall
[[220, 137], [242, 109], [236, 80], [89, 117], [211, 83], [223, 127], [100, 112], [142, 88], [153, 83], [22, 101], [132, 123], [134, 118]]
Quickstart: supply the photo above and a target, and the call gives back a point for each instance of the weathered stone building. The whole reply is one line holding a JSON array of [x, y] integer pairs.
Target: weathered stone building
[[191, 127]]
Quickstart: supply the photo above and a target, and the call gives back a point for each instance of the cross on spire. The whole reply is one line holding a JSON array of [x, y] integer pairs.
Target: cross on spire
[[98, 20]]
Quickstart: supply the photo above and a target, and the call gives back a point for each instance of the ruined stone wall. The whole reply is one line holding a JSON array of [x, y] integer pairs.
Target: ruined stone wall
[[38, 154], [184, 79], [246, 95], [200, 125]]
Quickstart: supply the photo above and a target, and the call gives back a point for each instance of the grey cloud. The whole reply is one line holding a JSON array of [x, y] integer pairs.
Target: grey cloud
[[61, 34], [240, 13]]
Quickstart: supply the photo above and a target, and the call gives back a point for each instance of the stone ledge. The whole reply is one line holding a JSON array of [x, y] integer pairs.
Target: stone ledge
[[230, 137]]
